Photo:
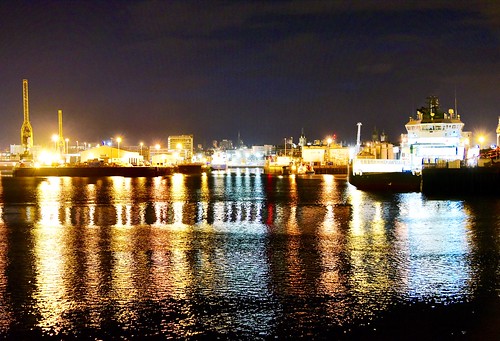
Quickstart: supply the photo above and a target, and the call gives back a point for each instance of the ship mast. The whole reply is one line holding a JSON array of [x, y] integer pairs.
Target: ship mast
[[26, 130]]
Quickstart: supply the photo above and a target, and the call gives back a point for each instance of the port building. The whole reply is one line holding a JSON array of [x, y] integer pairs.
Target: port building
[[182, 144], [110, 155]]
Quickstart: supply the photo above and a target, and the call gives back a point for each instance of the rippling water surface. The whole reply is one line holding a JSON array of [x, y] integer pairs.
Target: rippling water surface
[[243, 255]]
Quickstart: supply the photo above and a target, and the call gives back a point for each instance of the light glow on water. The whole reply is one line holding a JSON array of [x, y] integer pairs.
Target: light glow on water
[[221, 252]]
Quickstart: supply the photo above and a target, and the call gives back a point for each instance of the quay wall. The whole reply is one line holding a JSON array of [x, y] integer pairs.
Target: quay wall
[[93, 171], [462, 181]]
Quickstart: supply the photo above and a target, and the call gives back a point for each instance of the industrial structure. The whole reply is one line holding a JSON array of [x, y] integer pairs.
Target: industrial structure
[[60, 139], [26, 129]]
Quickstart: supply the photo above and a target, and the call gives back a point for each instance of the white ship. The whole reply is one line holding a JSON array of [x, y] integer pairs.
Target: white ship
[[434, 139]]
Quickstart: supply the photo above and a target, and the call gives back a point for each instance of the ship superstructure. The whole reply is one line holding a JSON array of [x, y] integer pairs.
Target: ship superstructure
[[434, 137]]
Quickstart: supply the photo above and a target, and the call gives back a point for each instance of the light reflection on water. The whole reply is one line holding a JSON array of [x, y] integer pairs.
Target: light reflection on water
[[89, 250]]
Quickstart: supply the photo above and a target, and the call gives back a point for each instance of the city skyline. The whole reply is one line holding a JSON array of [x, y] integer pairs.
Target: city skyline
[[147, 70]]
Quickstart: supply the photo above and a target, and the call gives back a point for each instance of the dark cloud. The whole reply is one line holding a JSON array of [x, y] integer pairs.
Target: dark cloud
[[148, 69]]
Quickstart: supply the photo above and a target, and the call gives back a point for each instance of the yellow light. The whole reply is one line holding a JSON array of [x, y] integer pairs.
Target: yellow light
[[55, 137], [119, 139], [47, 158], [157, 146]]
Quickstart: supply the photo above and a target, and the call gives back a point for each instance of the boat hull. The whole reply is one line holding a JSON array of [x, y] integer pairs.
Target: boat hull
[[391, 181]]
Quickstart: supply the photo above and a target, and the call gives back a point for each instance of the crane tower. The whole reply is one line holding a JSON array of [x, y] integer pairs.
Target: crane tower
[[26, 130], [61, 138]]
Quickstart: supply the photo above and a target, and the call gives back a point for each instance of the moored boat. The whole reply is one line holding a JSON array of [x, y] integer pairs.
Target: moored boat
[[383, 175], [433, 138]]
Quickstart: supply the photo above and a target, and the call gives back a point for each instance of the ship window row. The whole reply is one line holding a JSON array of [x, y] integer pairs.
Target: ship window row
[[424, 127]]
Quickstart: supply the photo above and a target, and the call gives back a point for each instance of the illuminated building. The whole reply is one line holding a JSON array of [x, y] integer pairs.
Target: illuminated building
[[108, 154], [183, 144], [226, 145]]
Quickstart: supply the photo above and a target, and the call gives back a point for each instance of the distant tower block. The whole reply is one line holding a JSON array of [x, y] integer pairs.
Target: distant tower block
[[26, 130]]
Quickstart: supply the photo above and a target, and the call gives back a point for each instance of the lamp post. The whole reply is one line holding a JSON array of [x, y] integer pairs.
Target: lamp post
[[157, 147], [179, 148], [285, 146], [67, 146], [118, 140], [329, 141], [141, 144], [481, 141], [55, 138]]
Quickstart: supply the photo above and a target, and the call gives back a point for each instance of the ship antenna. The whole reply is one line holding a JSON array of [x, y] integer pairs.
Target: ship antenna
[[456, 112]]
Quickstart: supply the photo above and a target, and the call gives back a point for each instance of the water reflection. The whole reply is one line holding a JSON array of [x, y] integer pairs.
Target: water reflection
[[5, 313], [97, 248]]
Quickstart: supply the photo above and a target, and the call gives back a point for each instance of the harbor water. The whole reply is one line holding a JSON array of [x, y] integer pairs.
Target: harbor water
[[243, 255]]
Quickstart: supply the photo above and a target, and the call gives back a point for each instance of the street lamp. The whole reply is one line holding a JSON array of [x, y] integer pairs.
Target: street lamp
[[481, 141], [179, 148], [55, 138], [118, 140], [329, 141], [141, 147], [67, 145], [157, 147]]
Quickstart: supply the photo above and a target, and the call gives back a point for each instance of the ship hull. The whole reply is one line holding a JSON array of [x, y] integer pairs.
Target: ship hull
[[390, 181]]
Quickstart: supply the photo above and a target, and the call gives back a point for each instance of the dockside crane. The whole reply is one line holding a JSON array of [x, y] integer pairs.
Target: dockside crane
[[26, 129], [60, 142]]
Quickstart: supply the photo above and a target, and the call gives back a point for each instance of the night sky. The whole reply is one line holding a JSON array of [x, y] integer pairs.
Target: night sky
[[144, 70]]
